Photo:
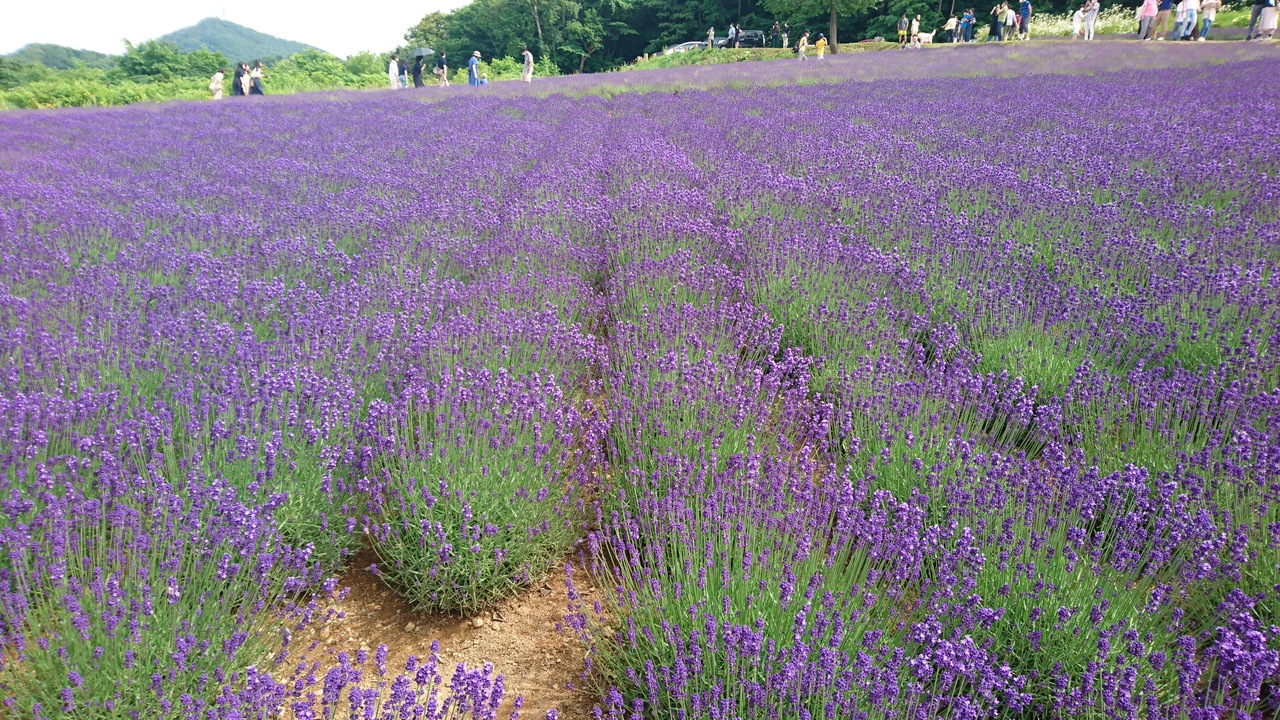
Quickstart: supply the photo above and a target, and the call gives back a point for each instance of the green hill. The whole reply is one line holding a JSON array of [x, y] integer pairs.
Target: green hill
[[236, 42], [60, 57]]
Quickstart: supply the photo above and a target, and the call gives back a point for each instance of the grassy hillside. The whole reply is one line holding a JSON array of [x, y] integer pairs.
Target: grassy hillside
[[60, 57], [236, 42]]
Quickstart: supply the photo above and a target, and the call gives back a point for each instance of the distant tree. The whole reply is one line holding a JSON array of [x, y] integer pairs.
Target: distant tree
[[153, 59], [809, 8], [365, 63], [14, 72], [431, 31]]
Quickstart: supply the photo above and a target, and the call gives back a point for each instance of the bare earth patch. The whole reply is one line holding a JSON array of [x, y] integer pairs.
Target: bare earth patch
[[519, 637]]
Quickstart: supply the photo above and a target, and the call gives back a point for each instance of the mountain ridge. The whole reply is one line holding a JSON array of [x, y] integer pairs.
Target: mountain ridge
[[233, 40]]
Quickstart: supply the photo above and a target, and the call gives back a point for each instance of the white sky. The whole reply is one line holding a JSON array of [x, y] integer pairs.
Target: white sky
[[337, 26]]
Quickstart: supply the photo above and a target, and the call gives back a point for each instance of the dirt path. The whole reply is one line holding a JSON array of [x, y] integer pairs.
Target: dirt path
[[519, 637]]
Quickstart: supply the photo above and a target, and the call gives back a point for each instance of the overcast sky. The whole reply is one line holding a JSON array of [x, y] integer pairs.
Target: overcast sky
[[339, 27]]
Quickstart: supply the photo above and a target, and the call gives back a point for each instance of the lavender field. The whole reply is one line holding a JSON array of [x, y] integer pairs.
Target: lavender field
[[901, 385]]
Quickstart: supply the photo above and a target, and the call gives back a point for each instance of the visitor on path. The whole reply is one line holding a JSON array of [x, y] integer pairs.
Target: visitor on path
[[786, 34], [404, 74], [1024, 19], [393, 71], [1147, 18], [997, 22], [1077, 23], [1209, 11], [915, 32], [950, 27], [1161, 25], [473, 69], [903, 25], [1010, 23], [821, 45], [255, 78], [245, 80], [417, 71], [484, 78], [711, 38], [1090, 18], [526, 75], [235, 80], [802, 46], [1267, 27], [1255, 16], [970, 21], [1190, 16], [442, 69], [773, 35], [733, 35], [215, 83]]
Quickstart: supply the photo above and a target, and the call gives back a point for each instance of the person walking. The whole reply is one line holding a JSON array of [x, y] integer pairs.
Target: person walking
[[255, 78], [442, 69], [821, 45], [403, 67], [1010, 23], [1255, 14], [417, 71], [802, 46], [215, 83], [1190, 18], [1091, 8], [786, 34], [1147, 19], [903, 25], [526, 74], [393, 71], [473, 69], [1267, 25], [773, 35], [245, 80], [1024, 19], [1208, 12], [997, 22], [950, 27], [1161, 25]]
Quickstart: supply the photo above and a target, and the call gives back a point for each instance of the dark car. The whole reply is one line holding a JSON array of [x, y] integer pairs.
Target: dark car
[[746, 39]]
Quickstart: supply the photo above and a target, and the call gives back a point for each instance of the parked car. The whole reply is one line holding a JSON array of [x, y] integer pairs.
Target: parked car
[[685, 46], [747, 39]]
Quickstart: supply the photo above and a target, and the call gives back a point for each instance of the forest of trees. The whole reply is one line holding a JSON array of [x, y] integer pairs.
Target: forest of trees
[[594, 35]]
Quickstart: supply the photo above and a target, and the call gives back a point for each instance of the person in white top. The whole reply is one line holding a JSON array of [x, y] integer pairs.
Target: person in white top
[[1209, 10], [215, 83], [1077, 23], [393, 72], [1010, 24], [1192, 10], [915, 32], [526, 75]]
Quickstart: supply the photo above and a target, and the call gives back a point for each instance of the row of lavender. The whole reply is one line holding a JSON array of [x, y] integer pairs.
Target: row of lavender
[[941, 413], [889, 433], [224, 377]]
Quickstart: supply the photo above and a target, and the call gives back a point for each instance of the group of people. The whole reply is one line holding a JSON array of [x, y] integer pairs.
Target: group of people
[[1193, 18], [399, 72], [246, 81], [819, 47], [779, 37]]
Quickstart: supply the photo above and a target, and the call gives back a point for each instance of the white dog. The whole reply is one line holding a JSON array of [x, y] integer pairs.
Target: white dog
[[926, 38]]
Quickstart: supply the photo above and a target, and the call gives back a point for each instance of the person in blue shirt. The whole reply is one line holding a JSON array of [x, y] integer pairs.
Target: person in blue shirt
[[1025, 19], [970, 19], [473, 69]]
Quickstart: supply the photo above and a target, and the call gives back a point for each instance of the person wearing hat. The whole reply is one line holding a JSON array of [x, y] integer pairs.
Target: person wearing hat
[[820, 47], [473, 69]]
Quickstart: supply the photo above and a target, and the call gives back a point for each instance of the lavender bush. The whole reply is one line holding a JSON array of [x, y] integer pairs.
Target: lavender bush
[[900, 385]]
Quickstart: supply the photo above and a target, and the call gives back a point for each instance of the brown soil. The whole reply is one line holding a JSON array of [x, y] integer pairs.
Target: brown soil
[[519, 637]]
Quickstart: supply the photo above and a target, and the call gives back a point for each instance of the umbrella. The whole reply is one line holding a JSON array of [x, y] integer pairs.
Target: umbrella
[[421, 52]]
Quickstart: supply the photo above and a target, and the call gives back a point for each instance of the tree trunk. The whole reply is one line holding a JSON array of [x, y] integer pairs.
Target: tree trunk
[[537, 23], [831, 40]]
